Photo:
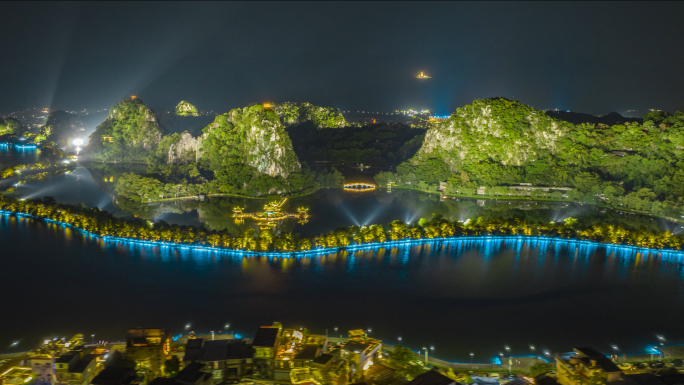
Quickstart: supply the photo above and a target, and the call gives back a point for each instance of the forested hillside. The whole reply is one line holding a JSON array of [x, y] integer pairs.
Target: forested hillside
[[128, 134], [245, 151], [499, 142]]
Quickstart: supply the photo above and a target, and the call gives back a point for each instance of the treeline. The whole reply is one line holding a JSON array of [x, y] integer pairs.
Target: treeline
[[141, 188], [103, 223], [612, 194]]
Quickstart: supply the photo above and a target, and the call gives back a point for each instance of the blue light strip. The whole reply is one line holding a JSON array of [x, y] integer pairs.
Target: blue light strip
[[364, 246], [22, 146]]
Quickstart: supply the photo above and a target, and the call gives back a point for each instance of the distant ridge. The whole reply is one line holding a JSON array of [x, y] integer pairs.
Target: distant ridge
[[578, 118]]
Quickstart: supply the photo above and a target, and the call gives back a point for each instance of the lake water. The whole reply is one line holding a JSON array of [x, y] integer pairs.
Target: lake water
[[460, 296]]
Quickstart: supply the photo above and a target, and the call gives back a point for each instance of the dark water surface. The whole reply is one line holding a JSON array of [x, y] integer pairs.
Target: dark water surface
[[460, 297]]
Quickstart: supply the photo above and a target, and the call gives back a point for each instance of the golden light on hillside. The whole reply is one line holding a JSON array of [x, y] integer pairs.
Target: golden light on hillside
[[421, 75]]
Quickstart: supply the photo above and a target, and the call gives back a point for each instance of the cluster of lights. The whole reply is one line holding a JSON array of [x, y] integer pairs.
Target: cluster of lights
[[358, 187], [21, 146], [364, 246]]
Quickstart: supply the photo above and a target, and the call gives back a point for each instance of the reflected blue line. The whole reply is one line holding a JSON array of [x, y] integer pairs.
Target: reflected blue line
[[480, 241]]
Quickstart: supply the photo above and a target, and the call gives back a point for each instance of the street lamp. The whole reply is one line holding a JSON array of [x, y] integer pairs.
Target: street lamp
[[336, 331], [187, 326], [532, 348], [92, 336], [227, 326], [617, 357], [426, 355], [508, 351], [471, 360], [399, 339]]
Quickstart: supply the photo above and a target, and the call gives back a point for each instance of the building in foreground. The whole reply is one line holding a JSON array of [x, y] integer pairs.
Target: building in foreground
[[586, 365], [148, 348]]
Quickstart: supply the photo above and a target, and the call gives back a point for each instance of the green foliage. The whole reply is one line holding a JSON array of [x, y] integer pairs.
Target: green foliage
[[321, 117], [251, 136], [172, 366], [184, 108], [500, 142], [10, 126], [103, 223], [541, 368], [415, 370], [133, 128]]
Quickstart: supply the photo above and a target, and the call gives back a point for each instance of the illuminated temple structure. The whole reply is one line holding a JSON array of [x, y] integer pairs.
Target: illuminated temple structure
[[271, 214]]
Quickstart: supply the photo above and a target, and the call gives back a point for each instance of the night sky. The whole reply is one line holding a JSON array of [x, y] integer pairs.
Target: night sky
[[588, 57]]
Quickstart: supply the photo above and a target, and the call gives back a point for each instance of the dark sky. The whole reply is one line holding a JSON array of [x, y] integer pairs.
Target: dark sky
[[587, 57]]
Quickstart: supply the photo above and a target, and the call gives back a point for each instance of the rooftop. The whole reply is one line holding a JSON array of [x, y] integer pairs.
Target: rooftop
[[65, 358], [266, 336], [163, 381], [216, 350], [356, 346], [323, 359], [191, 373], [82, 364], [112, 375], [308, 353], [432, 378], [601, 360]]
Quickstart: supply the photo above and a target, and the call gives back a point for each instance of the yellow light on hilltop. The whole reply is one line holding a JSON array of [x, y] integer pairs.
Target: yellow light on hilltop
[[133, 97], [268, 106], [421, 75]]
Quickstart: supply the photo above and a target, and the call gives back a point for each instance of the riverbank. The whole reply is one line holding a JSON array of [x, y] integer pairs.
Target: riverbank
[[316, 250], [530, 199]]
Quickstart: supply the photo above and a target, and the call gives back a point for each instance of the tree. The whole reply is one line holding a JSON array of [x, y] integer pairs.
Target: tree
[[415, 370], [570, 222], [172, 366], [401, 355], [464, 178], [540, 368]]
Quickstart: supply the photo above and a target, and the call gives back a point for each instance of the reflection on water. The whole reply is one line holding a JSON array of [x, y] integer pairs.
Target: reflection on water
[[328, 208], [11, 156], [461, 296]]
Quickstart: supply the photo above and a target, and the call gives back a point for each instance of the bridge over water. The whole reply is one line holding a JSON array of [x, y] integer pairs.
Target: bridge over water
[[359, 187]]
